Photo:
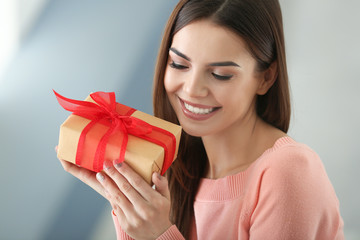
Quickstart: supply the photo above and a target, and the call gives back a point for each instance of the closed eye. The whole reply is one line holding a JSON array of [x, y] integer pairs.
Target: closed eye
[[222, 77], [177, 66]]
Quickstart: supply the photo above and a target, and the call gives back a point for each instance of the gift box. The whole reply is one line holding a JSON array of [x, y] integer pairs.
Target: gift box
[[100, 129]]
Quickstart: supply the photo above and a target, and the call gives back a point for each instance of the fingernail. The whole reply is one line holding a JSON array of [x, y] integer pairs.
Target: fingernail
[[107, 164], [158, 175], [117, 163], [100, 176], [113, 212]]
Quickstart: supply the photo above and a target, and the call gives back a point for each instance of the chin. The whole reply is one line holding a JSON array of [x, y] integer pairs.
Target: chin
[[195, 131]]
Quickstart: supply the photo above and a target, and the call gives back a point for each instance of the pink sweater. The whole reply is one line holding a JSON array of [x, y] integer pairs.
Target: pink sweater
[[284, 194]]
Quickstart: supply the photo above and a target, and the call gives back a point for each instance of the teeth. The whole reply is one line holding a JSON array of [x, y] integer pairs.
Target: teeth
[[197, 110]]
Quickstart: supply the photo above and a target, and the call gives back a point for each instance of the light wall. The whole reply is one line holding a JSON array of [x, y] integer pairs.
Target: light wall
[[76, 47], [322, 39], [16, 18]]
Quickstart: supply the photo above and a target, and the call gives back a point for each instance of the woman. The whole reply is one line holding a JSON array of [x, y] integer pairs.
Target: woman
[[221, 73]]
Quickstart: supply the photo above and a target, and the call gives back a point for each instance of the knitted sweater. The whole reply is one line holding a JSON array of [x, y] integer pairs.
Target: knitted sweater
[[284, 194]]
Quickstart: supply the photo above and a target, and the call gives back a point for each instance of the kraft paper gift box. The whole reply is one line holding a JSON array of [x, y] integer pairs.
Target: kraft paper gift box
[[82, 141]]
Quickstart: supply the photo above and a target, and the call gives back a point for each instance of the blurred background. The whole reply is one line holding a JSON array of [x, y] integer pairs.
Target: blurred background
[[77, 47]]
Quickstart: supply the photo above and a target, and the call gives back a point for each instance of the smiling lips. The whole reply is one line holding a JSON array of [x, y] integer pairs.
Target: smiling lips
[[196, 111]]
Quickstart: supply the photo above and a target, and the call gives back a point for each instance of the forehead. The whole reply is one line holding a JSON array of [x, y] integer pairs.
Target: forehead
[[205, 39]]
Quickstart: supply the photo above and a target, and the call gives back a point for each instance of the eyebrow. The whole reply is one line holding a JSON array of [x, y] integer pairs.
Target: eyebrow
[[174, 50], [215, 64], [224, 64]]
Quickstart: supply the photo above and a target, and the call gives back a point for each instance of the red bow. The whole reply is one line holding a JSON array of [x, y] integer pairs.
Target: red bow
[[105, 112]]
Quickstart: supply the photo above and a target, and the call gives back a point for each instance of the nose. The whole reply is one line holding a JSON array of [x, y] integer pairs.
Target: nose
[[195, 85]]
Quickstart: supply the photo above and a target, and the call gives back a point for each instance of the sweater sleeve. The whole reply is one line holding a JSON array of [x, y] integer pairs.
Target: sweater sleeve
[[172, 233], [295, 199]]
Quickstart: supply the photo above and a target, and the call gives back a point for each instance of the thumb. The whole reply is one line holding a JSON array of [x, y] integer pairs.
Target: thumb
[[161, 184]]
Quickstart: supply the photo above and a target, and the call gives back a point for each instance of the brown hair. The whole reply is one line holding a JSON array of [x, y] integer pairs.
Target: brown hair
[[259, 23]]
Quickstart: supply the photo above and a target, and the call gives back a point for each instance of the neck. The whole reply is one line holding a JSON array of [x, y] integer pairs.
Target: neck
[[234, 150]]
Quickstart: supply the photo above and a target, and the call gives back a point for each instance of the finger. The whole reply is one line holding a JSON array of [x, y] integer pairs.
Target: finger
[[118, 213], [136, 181], [113, 194], [127, 207], [115, 207], [161, 185]]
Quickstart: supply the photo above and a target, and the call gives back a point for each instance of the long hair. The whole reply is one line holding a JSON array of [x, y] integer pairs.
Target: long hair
[[259, 24]]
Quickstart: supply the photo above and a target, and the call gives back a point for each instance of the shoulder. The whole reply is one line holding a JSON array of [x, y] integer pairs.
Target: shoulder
[[289, 187], [293, 169], [290, 157]]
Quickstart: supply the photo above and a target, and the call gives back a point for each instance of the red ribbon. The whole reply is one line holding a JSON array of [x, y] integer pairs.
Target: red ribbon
[[120, 123]]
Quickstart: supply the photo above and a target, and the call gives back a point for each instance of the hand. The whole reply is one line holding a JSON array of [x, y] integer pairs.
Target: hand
[[142, 212], [85, 175]]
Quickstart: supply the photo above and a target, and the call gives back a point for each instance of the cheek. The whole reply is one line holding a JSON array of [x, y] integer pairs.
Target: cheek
[[170, 83], [234, 96]]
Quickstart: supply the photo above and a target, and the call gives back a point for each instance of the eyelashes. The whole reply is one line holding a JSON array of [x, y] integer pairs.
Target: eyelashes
[[177, 66], [216, 76], [222, 77]]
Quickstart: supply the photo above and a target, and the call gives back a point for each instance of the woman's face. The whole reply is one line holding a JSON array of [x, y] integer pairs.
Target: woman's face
[[210, 79]]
